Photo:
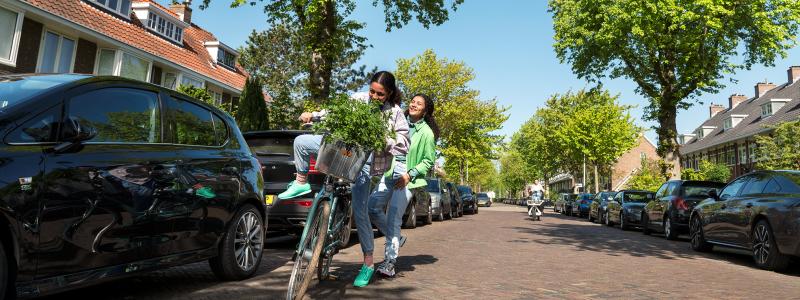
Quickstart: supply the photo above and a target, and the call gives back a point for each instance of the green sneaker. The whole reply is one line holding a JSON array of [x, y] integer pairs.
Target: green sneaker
[[364, 276], [295, 190]]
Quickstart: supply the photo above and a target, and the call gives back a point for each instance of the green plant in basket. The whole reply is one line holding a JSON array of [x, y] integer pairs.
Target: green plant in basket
[[355, 123]]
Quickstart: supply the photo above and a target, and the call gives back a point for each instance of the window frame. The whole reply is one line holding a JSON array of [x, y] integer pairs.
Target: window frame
[[117, 11], [117, 68], [15, 40], [180, 80], [56, 62]]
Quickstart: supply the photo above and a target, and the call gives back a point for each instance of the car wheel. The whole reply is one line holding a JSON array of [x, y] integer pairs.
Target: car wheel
[[591, 219], [622, 224], [429, 217], [475, 209], [411, 220], [669, 232], [645, 224], [441, 215], [242, 246], [461, 210], [765, 251], [608, 220], [698, 239]]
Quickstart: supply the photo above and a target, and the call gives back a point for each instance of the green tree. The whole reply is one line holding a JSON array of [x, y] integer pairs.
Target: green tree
[[252, 114], [673, 49], [647, 177], [329, 39], [203, 95], [512, 171], [467, 123], [781, 148], [707, 171]]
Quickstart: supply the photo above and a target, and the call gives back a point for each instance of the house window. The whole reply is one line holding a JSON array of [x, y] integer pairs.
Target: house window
[[134, 67], [10, 28], [226, 58], [120, 7], [170, 29], [169, 80], [105, 62], [728, 123], [151, 20], [121, 63], [164, 27], [188, 80], [179, 34], [216, 96], [161, 24], [766, 109], [742, 155], [57, 53], [753, 152]]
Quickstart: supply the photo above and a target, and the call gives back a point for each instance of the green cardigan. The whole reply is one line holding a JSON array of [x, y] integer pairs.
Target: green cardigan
[[421, 154]]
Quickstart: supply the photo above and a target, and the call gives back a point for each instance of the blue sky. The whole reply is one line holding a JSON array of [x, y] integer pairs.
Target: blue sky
[[509, 45]]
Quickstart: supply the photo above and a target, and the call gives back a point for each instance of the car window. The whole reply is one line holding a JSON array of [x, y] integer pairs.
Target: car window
[[733, 188], [638, 197], [120, 115], [618, 197], [277, 146], [193, 124], [789, 182], [700, 189], [16, 89], [220, 130], [42, 128], [662, 191], [772, 187], [433, 185], [756, 185], [671, 188]]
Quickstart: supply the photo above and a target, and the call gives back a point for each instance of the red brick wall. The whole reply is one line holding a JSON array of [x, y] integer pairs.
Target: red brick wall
[[632, 160]]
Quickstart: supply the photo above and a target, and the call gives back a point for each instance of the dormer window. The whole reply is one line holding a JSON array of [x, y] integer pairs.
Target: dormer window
[[733, 120], [704, 131], [119, 7], [767, 109], [160, 22], [225, 55], [685, 138]]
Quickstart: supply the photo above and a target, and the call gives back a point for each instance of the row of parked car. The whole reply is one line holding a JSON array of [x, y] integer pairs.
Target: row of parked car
[[758, 212], [105, 177]]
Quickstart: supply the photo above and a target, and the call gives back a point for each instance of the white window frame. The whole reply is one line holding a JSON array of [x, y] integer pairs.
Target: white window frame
[[742, 154], [766, 109], [118, 62], [118, 9], [12, 61], [164, 78], [180, 80], [61, 36], [157, 19]]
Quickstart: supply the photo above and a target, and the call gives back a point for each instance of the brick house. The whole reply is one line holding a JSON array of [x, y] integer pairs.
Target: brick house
[[138, 39], [615, 178], [728, 135]]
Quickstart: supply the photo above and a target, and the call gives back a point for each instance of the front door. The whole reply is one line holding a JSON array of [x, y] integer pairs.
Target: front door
[[98, 202]]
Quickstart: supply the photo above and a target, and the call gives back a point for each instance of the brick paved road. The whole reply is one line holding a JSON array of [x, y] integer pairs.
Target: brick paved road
[[496, 254]]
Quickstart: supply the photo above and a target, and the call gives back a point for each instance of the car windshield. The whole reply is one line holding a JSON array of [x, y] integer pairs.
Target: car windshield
[[17, 89], [604, 196], [482, 196], [587, 197], [700, 189], [638, 197], [271, 146], [433, 185], [464, 190]]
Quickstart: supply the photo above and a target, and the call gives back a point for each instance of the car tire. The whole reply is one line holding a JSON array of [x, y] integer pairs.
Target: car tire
[[765, 250], [669, 232], [461, 210], [429, 218], [698, 239], [475, 209], [608, 220], [622, 224], [247, 223], [645, 224], [411, 220], [591, 219], [441, 215]]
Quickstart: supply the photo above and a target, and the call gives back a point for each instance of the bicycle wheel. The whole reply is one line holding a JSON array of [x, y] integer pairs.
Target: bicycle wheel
[[303, 270], [342, 221]]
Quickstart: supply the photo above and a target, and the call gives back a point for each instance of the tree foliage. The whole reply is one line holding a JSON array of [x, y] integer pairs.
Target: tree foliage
[[252, 113], [512, 171], [674, 50], [707, 171], [647, 177], [328, 43], [205, 96], [781, 149], [466, 122]]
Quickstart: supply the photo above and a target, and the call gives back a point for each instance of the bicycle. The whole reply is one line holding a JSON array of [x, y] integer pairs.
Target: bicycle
[[331, 211]]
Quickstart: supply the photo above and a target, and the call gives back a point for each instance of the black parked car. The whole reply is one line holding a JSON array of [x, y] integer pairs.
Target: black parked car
[[275, 152], [674, 203], [757, 212], [456, 204], [419, 206], [597, 209], [626, 208], [468, 199], [440, 199], [104, 177]]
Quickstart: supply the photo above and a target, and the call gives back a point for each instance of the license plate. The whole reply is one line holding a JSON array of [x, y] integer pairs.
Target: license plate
[[270, 199]]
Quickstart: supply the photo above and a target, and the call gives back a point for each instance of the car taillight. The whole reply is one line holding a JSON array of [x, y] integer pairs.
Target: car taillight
[[681, 204], [312, 165]]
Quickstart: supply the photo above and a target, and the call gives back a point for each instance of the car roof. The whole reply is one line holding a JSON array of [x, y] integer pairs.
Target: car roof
[[635, 191], [275, 133]]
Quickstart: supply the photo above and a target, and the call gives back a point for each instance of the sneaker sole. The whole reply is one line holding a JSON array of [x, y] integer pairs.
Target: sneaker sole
[[298, 195]]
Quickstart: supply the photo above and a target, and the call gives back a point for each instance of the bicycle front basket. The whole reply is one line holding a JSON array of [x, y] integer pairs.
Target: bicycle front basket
[[341, 161]]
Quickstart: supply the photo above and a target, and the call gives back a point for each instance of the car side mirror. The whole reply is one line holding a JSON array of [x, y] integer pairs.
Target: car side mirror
[[75, 132], [713, 195]]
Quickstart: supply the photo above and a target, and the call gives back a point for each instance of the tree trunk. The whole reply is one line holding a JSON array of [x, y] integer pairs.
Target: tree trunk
[[461, 172], [321, 68], [596, 180], [667, 133]]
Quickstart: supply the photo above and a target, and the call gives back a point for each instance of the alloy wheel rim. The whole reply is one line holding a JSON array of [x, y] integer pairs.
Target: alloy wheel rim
[[249, 242], [695, 232], [761, 245], [667, 227]]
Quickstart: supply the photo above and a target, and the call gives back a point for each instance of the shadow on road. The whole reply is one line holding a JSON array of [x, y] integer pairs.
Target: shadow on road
[[613, 241], [346, 273]]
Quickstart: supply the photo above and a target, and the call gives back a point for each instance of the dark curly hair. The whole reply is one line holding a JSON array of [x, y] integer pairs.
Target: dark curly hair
[[428, 117], [386, 79]]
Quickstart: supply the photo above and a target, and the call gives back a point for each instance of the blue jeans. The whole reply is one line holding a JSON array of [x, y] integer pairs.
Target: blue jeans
[[307, 144], [389, 220]]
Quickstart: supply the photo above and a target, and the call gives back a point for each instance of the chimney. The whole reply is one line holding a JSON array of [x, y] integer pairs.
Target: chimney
[[763, 87], [735, 99], [794, 73], [714, 109], [183, 9]]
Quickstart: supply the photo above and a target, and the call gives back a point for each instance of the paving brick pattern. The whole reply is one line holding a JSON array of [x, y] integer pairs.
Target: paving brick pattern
[[496, 254]]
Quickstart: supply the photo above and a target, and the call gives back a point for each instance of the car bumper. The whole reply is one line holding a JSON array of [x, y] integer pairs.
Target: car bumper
[[634, 218]]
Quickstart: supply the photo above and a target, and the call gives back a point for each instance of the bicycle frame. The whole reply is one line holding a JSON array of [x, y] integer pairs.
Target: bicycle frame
[[328, 193]]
